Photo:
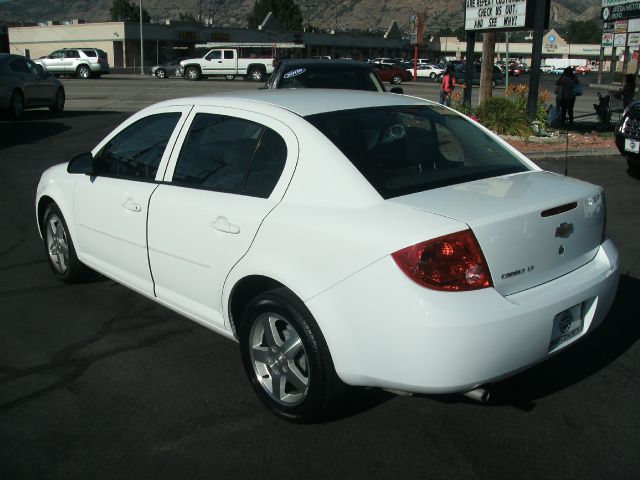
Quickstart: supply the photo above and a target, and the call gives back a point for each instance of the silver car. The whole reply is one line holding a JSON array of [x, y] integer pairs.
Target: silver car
[[23, 84], [77, 62]]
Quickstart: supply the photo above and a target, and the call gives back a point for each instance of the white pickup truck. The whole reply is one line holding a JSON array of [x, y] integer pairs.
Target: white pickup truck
[[226, 62]]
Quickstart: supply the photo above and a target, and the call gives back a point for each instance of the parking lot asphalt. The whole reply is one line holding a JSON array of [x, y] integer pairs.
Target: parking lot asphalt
[[98, 382]]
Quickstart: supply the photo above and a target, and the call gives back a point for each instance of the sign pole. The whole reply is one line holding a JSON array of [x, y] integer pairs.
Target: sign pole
[[600, 65], [468, 69], [614, 66], [536, 57]]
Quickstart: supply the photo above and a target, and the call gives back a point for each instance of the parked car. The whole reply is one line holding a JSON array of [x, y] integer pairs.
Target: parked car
[[558, 70], [341, 237], [391, 73], [628, 137], [168, 69], [427, 71], [24, 84], [497, 75], [583, 69], [546, 68], [76, 62], [311, 73]]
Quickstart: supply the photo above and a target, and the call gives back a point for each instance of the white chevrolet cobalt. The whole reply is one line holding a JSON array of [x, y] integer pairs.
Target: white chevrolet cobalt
[[341, 237]]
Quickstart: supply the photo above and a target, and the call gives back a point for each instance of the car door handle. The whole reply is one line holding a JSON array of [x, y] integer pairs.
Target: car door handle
[[223, 225], [129, 204]]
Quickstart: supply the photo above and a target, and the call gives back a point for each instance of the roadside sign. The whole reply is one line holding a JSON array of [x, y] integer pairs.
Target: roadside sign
[[620, 26], [607, 39], [501, 15], [620, 40], [634, 39], [617, 12]]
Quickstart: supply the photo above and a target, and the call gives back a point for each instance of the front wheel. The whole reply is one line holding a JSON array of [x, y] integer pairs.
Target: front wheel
[[396, 80], [60, 250], [433, 76], [192, 73], [287, 359], [160, 73]]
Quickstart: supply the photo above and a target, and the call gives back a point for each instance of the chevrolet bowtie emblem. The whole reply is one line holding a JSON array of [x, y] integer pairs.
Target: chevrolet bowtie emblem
[[564, 230]]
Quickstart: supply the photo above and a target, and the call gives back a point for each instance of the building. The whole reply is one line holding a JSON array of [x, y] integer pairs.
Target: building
[[166, 41]]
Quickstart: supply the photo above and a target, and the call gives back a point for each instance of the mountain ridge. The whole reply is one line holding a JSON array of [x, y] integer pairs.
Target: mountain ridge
[[343, 14]]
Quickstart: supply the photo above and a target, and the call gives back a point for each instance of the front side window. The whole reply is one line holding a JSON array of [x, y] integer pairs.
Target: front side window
[[407, 149], [230, 154], [135, 153], [215, 55], [57, 54]]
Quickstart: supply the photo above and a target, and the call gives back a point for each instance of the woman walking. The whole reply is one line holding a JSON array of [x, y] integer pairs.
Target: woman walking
[[565, 90], [447, 86]]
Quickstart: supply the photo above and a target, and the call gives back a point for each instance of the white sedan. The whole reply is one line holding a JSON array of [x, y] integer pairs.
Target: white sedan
[[427, 71], [341, 237]]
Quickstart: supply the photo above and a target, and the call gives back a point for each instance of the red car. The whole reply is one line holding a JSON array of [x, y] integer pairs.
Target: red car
[[391, 73], [584, 69]]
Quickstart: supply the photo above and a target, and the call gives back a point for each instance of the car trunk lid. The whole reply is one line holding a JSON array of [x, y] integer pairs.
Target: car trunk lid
[[533, 227]]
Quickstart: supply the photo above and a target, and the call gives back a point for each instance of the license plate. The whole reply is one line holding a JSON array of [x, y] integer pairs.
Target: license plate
[[631, 145], [566, 325]]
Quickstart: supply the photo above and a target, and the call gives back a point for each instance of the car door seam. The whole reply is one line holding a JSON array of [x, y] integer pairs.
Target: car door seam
[[153, 281]]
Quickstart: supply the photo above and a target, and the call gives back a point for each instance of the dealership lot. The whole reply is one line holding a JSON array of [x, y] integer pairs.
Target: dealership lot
[[99, 382]]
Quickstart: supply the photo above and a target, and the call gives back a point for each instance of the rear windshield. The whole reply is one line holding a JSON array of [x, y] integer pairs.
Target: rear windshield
[[320, 76], [407, 149]]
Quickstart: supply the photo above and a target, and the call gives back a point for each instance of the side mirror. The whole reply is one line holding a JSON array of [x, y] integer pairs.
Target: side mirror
[[82, 164], [398, 90]]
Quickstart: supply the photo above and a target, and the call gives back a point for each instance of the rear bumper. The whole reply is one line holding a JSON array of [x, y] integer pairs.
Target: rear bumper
[[385, 331]]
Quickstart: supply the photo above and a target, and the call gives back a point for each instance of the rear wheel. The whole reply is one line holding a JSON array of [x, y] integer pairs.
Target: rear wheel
[[58, 104], [83, 72], [256, 74], [60, 250], [16, 105], [160, 73], [230, 77], [493, 84], [192, 73], [286, 358], [396, 80]]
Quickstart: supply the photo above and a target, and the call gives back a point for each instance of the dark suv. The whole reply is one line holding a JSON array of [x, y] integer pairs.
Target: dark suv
[[322, 73], [497, 75], [628, 136], [77, 62]]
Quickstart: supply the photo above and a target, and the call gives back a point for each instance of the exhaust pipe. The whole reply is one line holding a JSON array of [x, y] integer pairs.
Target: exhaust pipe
[[479, 395]]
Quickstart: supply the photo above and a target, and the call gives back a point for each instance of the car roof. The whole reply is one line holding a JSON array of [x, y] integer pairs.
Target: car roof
[[325, 62], [301, 102]]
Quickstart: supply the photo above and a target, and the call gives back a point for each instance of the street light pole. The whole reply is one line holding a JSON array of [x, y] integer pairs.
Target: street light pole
[[141, 43]]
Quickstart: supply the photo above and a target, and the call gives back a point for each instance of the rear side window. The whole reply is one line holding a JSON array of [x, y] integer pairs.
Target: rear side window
[[90, 53], [72, 54], [232, 155], [228, 54], [319, 77], [135, 153], [407, 149]]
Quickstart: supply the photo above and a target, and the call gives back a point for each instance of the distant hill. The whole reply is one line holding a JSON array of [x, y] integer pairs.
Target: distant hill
[[347, 14]]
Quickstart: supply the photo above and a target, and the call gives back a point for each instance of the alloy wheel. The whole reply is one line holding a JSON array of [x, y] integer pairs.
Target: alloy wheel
[[57, 244], [279, 359]]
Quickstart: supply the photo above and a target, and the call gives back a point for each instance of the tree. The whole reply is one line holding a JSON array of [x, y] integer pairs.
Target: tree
[[486, 71], [582, 32], [287, 12], [125, 11], [187, 17]]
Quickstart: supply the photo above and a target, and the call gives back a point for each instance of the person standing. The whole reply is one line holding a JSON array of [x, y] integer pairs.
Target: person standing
[[565, 89], [447, 86], [628, 90]]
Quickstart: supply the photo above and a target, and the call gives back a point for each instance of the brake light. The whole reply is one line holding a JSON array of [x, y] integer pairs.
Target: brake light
[[453, 262]]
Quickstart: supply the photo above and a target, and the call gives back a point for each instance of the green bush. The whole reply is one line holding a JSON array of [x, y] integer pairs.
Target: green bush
[[504, 116]]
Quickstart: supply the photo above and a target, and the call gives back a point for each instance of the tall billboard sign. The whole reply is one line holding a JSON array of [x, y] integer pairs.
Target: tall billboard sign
[[501, 15]]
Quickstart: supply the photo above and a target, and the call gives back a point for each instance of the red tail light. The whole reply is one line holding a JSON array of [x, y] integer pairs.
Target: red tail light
[[454, 262]]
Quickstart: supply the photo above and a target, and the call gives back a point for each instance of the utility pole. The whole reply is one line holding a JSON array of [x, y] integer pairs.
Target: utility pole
[[141, 43], [486, 70], [536, 57]]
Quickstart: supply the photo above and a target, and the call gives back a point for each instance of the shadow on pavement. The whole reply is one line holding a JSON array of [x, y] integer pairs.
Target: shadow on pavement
[[38, 125]]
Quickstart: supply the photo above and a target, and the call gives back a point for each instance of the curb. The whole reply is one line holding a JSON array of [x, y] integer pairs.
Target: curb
[[596, 152]]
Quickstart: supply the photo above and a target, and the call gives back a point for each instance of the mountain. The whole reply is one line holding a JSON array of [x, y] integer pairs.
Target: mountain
[[346, 14]]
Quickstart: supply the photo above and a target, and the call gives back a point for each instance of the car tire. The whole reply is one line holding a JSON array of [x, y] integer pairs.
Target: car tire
[[83, 72], [192, 73], [433, 76], [58, 103], [16, 105], [396, 79], [280, 339], [493, 84], [160, 73], [256, 74], [230, 77], [60, 250]]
